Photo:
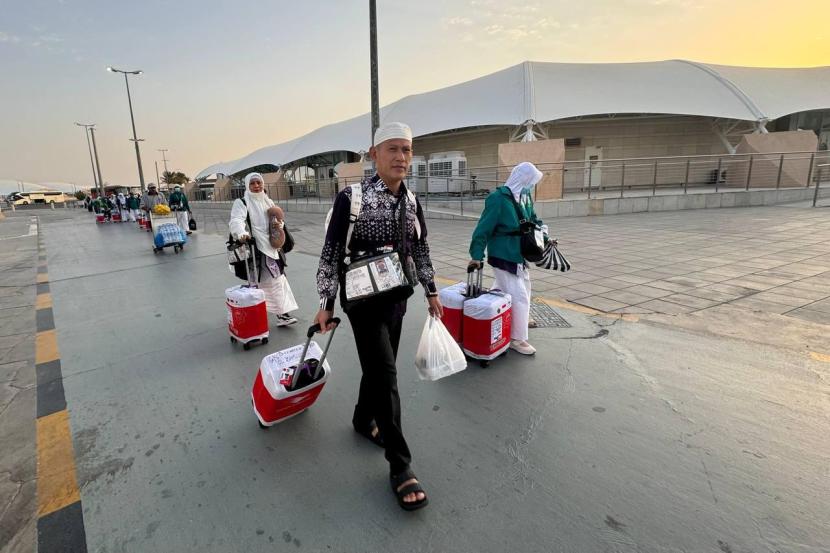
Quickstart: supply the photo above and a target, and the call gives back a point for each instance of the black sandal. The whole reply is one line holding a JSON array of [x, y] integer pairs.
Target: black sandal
[[397, 480], [369, 433]]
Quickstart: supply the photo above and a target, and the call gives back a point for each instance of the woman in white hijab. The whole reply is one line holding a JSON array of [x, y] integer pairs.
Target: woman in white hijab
[[251, 221], [496, 232]]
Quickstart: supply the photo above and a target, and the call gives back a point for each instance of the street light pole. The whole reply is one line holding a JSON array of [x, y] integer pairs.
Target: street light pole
[[135, 139], [89, 147], [97, 164], [373, 67], [164, 157], [158, 181]]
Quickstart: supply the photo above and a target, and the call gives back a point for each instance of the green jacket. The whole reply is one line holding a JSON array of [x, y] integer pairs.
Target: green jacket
[[496, 221], [178, 199], [133, 202]]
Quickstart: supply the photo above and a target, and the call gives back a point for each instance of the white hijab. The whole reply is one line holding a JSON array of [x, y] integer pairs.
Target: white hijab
[[258, 203], [524, 175]]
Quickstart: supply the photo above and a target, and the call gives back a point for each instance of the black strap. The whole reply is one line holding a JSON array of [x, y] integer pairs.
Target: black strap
[[402, 199]]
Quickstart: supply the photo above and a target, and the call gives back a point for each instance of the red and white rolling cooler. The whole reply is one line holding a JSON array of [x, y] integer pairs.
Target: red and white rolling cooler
[[452, 298], [100, 218], [285, 386], [247, 316], [116, 216], [485, 327]]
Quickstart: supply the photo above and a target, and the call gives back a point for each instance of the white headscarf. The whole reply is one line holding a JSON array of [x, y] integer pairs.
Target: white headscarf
[[258, 203], [524, 175]]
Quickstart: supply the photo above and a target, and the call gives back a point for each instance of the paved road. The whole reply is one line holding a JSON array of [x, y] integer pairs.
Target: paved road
[[621, 435]]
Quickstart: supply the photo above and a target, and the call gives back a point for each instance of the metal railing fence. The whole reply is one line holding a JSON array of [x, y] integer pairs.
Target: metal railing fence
[[581, 179]]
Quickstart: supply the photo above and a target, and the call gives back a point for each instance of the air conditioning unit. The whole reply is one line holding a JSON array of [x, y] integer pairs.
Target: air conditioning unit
[[447, 172], [417, 177]]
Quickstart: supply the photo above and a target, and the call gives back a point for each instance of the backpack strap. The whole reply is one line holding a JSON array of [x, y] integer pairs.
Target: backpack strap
[[354, 211], [412, 198]]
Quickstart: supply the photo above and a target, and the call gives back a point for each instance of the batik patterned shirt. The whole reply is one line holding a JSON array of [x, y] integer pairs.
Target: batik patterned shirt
[[377, 227]]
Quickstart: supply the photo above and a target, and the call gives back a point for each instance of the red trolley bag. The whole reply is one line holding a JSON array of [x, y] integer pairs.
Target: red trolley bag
[[289, 381], [452, 298], [487, 317], [247, 316]]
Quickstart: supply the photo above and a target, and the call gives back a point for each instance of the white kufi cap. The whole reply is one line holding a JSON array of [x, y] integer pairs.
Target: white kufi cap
[[391, 131]]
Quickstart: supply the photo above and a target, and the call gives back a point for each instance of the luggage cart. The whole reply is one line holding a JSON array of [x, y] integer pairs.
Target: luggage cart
[[164, 235], [247, 313], [289, 381], [486, 317]]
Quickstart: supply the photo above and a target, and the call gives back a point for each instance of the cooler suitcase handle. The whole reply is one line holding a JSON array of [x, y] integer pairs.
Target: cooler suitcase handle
[[312, 330], [474, 290]]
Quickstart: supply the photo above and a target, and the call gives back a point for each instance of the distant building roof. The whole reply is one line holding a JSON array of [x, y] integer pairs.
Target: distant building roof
[[541, 91]]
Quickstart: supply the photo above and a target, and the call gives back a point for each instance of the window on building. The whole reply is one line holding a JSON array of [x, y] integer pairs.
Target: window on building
[[440, 168]]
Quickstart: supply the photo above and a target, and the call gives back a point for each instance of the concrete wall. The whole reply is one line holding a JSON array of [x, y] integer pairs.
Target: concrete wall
[[547, 154], [765, 169], [623, 137], [481, 146]]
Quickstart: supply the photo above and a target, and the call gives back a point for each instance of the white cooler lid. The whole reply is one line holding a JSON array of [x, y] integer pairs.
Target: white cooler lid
[[453, 296], [487, 306], [242, 296]]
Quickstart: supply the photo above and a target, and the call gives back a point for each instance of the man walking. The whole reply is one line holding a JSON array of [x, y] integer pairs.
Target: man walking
[[152, 198], [377, 321], [178, 204]]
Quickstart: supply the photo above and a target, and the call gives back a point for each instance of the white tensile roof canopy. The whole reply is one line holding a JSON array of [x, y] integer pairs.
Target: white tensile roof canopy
[[540, 91]]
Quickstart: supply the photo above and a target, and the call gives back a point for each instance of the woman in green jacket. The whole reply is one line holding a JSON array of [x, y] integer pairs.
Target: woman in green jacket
[[495, 233]]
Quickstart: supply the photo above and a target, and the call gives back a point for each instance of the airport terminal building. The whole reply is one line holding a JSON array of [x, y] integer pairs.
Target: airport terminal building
[[675, 118]]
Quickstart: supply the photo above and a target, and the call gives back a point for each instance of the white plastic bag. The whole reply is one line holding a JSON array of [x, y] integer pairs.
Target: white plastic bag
[[438, 354]]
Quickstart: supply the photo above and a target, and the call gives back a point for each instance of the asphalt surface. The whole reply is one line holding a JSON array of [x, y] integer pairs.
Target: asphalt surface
[[619, 435]]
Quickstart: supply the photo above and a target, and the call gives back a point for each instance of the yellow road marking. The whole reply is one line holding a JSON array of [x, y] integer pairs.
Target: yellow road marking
[[46, 347], [823, 357], [43, 301], [57, 485]]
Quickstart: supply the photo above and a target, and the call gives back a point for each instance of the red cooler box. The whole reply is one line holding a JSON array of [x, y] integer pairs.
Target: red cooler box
[[247, 317], [486, 325], [452, 298], [99, 218], [284, 387], [116, 216]]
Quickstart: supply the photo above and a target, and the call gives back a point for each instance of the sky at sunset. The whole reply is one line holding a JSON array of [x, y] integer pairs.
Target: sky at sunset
[[222, 78]]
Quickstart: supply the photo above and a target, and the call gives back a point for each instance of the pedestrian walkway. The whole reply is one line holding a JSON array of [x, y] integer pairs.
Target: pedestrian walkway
[[612, 433], [774, 260]]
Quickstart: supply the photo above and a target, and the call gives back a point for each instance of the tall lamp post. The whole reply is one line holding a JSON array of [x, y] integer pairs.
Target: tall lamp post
[[134, 139], [373, 67], [87, 127], [97, 163], [164, 157]]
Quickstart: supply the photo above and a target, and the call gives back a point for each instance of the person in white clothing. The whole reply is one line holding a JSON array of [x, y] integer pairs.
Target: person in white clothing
[[250, 222], [497, 231]]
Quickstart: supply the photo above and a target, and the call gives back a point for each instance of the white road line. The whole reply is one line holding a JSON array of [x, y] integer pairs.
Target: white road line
[[32, 230]]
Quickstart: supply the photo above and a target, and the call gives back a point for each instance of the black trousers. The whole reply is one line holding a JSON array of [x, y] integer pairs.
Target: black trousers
[[377, 339]]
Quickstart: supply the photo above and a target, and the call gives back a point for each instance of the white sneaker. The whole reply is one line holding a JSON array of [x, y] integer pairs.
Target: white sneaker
[[522, 347], [285, 320]]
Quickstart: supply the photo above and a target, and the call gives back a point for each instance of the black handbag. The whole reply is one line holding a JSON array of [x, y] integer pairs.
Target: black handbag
[[531, 237], [191, 224], [288, 245], [389, 276]]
